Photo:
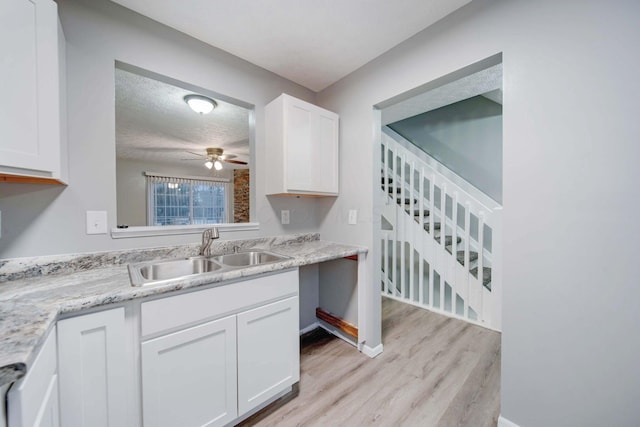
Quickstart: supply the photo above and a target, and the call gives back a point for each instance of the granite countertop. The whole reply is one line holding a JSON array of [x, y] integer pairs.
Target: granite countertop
[[34, 292]]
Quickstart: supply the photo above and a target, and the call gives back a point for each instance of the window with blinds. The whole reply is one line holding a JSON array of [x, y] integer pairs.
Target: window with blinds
[[183, 201]]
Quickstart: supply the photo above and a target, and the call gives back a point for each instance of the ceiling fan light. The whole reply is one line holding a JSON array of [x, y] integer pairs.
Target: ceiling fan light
[[200, 104], [217, 164], [208, 164]]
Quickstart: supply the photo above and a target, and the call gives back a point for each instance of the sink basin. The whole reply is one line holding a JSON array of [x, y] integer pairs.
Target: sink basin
[[245, 259], [151, 272], [148, 273]]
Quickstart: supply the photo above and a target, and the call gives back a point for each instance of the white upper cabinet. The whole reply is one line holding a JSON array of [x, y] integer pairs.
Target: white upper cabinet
[[32, 74], [301, 148]]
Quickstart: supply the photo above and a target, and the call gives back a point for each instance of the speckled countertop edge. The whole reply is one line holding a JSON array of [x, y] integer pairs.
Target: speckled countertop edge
[[30, 306]]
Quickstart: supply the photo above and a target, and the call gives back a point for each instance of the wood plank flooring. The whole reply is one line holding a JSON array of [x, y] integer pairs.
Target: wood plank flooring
[[434, 371]]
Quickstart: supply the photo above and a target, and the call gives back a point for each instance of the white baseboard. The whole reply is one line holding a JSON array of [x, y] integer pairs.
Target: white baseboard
[[309, 328], [503, 422], [337, 332], [372, 351]]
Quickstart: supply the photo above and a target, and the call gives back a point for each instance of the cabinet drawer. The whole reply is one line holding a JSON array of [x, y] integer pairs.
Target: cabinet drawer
[[199, 306]]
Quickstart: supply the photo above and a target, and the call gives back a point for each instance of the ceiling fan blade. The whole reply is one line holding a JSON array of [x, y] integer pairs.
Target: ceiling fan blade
[[196, 154], [237, 162], [200, 159], [227, 156]]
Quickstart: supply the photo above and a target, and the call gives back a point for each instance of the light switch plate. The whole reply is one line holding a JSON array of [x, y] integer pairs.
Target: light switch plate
[[284, 217], [353, 217], [96, 222]]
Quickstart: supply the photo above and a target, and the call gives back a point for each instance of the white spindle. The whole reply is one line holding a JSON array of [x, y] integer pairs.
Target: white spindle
[[481, 264], [467, 255], [443, 235], [432, 205], [453, 259], [412, 206], [443, 215], [394, 263], [403, 237], [421, 224], [385, 170]]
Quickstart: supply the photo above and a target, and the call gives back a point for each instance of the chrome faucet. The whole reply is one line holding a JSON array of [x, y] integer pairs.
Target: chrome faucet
[[207, 238]]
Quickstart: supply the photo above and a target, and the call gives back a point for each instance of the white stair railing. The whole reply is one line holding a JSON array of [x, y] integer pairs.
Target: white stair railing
[[444, 251]]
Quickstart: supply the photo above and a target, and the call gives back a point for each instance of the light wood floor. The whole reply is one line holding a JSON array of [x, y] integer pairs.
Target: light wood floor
[[434, 371]]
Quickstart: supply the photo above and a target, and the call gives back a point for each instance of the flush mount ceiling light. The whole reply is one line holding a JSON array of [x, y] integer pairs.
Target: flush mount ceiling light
[[200, 104]]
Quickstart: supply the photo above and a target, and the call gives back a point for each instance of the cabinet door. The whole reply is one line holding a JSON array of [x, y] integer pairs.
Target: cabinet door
[[33, 400], [49, 414], [268, 352], [30, 104], [326, 151], [300, 127], [93, 370], [189, 377], [311, 135]]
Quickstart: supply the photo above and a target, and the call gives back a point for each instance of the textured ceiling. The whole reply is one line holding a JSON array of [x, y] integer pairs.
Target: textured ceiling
[[486, 82], [311, 42], [155, 124]]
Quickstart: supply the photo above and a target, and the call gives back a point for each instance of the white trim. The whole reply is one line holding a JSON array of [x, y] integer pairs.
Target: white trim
[[3, 410], [337, 333], [372, 351], [311, 327], [168, 230], [503, 422], [191, 177]]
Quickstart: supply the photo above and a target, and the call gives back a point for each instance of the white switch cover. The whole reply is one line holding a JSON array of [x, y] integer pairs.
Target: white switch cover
[[284, 217], [96, 222], [353, 216]]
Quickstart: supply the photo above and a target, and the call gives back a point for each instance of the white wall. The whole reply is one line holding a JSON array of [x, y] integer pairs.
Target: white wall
[[571, 350], [40, 220], [131, 185]]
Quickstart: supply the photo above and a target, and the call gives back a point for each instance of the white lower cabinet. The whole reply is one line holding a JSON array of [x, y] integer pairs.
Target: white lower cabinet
[[227, 351], [268, 352], [93, 370], [189, 377], [209, 357], [33, 400]]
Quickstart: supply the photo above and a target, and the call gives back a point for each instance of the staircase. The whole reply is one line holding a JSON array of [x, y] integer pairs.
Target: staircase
[[440, 240]]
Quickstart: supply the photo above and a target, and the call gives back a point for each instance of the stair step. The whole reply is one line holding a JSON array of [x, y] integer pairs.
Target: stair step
[[473, 255], [486, 276], [436, 226], [448, 240], [407, 201], [398, 190], [416, 212]]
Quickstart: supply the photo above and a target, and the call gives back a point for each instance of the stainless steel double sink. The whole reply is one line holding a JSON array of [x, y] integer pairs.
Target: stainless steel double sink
[[152, 272]]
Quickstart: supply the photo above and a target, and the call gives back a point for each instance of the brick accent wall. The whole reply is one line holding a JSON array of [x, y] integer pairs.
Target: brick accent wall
[[241, 195]]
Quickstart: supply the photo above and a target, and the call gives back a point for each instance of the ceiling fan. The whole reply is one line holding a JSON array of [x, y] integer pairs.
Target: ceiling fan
[[214, 157]]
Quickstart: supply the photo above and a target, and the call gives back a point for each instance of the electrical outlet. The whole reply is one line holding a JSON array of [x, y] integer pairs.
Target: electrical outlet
[[284, 217], [353, 216], [96, 222]]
